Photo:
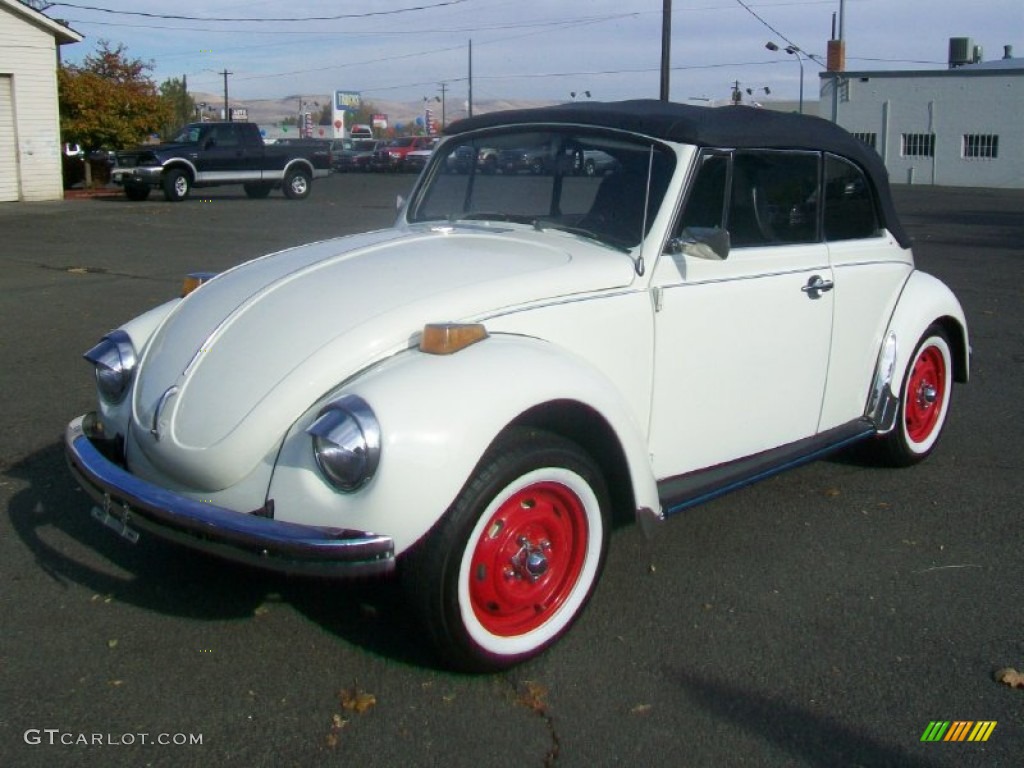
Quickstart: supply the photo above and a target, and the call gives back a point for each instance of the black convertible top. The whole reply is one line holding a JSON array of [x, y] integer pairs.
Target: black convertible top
[[736, 127]]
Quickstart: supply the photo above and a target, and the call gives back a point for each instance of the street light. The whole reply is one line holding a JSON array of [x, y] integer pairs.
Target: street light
[[793, 50], [584, 94]]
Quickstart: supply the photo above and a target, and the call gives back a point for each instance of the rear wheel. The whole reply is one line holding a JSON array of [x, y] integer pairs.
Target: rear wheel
[[177, 185], [297, 184], [136, 192], [514, 560], [924, 401]]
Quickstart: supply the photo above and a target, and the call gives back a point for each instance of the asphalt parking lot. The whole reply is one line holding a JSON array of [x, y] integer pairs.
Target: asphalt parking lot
[[822, 618]]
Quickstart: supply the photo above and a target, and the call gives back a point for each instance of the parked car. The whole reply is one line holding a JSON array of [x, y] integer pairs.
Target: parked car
[[416, 160], [355, 155], [466, 157], [472, 397], [214, 154], [391, 156]]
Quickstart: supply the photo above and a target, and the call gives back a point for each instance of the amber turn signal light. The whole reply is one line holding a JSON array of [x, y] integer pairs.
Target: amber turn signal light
[[446, 338], [194, 280]]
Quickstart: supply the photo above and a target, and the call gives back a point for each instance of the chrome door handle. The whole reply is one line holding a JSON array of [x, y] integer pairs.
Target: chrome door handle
[[817, 284]]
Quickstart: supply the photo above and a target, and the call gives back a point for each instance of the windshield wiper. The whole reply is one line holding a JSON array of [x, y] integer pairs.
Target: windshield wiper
[[588, 234]]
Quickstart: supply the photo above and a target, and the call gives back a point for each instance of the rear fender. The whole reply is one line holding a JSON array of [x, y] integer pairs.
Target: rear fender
[[926, 300]]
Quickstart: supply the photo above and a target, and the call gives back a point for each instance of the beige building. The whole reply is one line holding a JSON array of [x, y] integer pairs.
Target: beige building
[[30, 148]]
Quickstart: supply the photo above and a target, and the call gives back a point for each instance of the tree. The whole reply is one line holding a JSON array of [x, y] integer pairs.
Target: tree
[[108, 101], [182, 107]]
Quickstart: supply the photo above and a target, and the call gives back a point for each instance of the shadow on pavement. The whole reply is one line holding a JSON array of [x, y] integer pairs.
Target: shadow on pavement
[[176, 581]]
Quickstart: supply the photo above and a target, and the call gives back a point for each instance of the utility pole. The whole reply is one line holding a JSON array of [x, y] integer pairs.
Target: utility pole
[[444, 89], [227, 111], [470, 102], [666, 46]]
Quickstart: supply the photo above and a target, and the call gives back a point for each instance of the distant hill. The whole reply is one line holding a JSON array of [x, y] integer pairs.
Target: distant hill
[[272, 111]]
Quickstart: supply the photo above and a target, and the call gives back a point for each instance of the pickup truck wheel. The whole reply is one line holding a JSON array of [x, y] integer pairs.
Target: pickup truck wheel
[[256, 190], [297, 185], [177, 185], [136, 192], [924, 402], [514, 560]]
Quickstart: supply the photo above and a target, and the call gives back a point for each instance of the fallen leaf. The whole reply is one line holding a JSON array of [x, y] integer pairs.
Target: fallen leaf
[[112, 643], [640, 709], [357, 700], [832, 492], [1011, 677], [531, 696]]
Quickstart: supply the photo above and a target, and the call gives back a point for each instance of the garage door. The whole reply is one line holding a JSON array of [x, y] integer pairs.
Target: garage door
[[8, 146]]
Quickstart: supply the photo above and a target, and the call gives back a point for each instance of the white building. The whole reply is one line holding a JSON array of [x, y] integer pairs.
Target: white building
[[962, 126], [30, 148]]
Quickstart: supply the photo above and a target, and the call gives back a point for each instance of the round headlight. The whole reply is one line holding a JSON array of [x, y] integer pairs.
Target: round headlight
[[114, 365], [346, 443]]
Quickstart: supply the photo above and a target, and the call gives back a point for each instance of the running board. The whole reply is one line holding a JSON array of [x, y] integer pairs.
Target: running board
[[685, 491]]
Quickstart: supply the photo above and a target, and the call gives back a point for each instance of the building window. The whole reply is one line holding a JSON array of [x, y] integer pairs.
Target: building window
[[871, 139], [981, 145], [918, 145]]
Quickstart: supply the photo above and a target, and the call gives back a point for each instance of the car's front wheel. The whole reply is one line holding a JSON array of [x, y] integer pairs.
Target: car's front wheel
[[516, 557], [177, 185], [297, 185], [924, 401]]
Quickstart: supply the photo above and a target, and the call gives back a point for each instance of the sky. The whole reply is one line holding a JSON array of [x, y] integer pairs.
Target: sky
[[408, 50]]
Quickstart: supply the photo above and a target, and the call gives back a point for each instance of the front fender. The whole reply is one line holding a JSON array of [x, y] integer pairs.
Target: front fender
[[182, 163], [140, 330], [438, 415]]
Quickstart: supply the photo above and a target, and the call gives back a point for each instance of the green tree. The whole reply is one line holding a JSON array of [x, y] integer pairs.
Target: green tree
[[108, 101], [182, 107]]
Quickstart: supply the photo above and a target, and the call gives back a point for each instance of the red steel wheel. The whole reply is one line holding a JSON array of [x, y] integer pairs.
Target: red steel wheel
[[924, 401], [926, 394], [529, 556], [514, 560]]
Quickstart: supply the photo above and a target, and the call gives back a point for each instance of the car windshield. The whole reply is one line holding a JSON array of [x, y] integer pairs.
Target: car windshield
[[589, 182]]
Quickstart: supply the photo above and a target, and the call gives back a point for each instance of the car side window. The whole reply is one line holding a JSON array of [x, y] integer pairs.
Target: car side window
[[760, 197], [220, 137], [774, 198], [705, 206], [850, 209]]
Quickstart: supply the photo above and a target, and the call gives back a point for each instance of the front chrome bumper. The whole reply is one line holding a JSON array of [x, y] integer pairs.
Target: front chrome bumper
[[129, 504], [144, 174]]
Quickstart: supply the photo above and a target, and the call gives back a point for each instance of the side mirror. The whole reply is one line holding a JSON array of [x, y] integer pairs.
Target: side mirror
[[712, 243], [399, 203]]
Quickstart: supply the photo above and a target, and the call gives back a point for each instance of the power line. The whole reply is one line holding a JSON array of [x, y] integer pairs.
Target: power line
[[181, 17]]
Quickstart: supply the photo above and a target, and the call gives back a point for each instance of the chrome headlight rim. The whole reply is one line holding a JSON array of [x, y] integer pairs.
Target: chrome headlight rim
[[346, 443], [114, 361]]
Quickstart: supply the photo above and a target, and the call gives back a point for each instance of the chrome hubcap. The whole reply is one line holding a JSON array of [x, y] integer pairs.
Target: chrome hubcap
[[530, 562]]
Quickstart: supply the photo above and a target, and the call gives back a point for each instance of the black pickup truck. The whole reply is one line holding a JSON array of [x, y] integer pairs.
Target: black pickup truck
[[211, 154]]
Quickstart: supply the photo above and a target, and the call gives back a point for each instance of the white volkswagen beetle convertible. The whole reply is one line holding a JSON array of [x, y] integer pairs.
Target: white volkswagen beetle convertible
[[473, 394]]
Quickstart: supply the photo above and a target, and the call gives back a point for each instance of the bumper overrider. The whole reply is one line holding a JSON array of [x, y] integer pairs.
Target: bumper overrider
[[129, 505]]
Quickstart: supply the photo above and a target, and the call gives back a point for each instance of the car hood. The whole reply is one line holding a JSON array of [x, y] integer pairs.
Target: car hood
[[156, 149], [238, 360]]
